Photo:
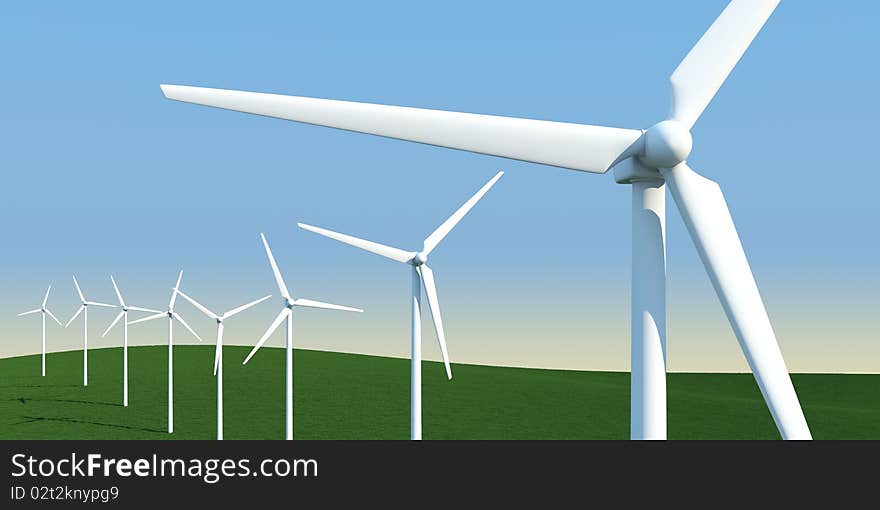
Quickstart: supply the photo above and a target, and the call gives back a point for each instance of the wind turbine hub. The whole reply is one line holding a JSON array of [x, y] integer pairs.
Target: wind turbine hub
[[419, 259], [219, 320], [288, 303], [667, 144]]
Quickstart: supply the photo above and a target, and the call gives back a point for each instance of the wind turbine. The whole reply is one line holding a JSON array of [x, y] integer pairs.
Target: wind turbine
[[218, 352], [84, 309], [648, 160], [123, 314], [172, 316], [43, 311], [421, 274], [287, 313]]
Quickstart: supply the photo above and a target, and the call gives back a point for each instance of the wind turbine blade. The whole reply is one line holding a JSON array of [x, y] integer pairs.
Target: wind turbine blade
[[78, 290], [219, 347], [434, 239], [149, 318], [319, 304], [79, 311], [174, 292], [118, 294], [118, 316], [272, 327], [576, 146], [180, 320], [101, 304], [702, 72], [139, 309], [53, 317], [370, 246], [198, 305], [29, 312], [46, 297], [711, 227], [278, 278], [434, 305], [244, 307]]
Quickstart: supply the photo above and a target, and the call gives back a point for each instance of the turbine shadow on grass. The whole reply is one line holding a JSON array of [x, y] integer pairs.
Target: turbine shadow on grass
[[24, 400], [39, 386], [33, 419]]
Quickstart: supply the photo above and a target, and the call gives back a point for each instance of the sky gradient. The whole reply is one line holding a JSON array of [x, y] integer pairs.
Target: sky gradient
[[103, 176]]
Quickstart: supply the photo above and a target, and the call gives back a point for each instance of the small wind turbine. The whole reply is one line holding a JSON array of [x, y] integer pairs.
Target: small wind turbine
[[123, 314], [84, 309], [218, 352], [43, 311], [287, 313], [421, 274], [172, 315]]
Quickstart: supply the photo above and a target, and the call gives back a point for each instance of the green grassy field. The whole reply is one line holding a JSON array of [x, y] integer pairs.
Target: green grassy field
[[345, 396]]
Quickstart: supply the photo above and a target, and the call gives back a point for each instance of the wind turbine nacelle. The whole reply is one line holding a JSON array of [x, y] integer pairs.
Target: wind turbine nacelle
[[666, 145], [633, 170]]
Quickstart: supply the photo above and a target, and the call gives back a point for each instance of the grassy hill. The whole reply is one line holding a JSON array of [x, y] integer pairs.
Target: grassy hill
[[345, 396]]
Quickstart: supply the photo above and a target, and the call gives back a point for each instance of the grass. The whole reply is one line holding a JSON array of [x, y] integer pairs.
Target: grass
[[346, 396]]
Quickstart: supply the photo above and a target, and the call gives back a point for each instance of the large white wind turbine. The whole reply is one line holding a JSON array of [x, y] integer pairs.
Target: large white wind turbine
[[123, 314], [172, 316], [84, 309], [287, 313], [218, 351], [421, 274], [43, 311], [646, 159]]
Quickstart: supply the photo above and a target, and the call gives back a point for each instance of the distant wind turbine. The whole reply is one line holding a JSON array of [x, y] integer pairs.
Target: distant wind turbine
[[218, 352], [172, 316], [421, 274], [84, 309], [43, 311], [123, 314], [287, 313]]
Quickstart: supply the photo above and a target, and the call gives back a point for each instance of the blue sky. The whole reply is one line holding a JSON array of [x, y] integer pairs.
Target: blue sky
[[102, 175]]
